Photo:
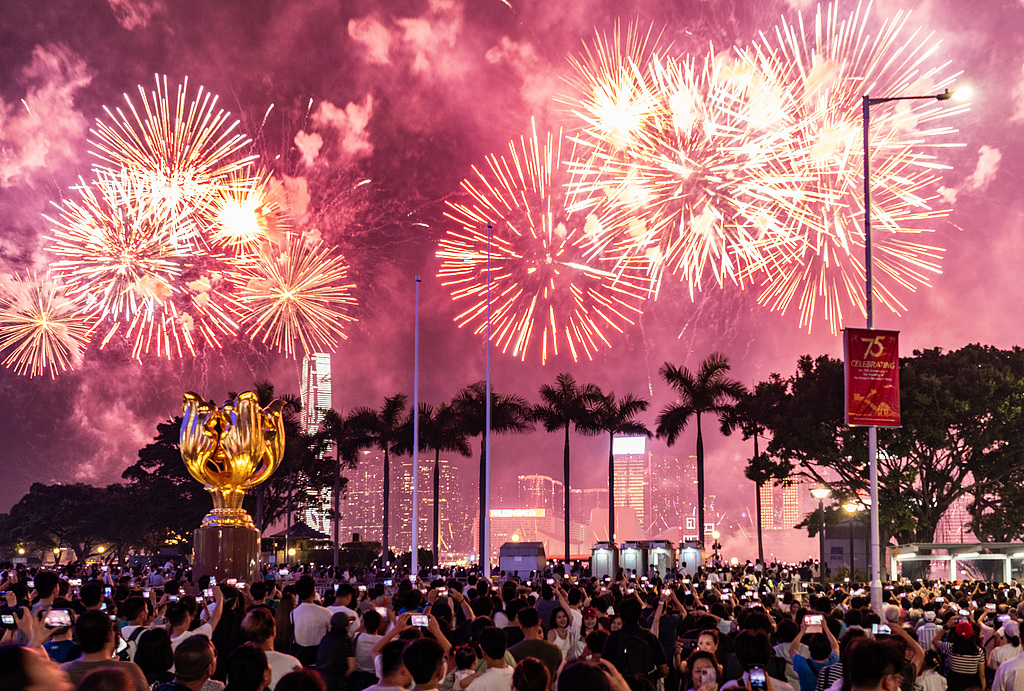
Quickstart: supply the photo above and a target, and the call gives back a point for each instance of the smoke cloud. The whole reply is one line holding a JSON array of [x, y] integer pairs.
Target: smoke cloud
[[43, 129], [136, 14]]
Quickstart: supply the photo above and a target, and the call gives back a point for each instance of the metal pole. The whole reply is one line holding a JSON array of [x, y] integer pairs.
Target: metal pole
[[821, 542], [485, 526], [414, 561], [851, 548], [876, 578]]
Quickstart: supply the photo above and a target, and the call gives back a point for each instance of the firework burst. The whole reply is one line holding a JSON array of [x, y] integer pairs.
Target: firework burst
[[42, 329], [818, 71], [247, 214], [546, 289], [184, 149], [121, 252], [697, 190], [295, 295]]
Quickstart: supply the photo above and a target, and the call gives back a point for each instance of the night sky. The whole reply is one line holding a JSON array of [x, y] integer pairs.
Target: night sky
[[409, 95]]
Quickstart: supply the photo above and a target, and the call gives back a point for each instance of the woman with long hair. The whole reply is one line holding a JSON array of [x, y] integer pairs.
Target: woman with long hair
[[283, 640], [561, 633]]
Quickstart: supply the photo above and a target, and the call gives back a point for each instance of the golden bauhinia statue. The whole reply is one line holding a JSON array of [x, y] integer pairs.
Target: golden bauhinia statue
[[230, 449]]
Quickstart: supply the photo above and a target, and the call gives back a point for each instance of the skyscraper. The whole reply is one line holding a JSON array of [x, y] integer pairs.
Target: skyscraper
[[780, 505], [631, 474], [315, 391]]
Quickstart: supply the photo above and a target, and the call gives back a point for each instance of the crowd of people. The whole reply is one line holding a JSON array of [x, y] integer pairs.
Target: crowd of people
[[135, 630]]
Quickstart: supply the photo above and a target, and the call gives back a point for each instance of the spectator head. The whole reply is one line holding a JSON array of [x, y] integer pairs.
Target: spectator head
[[258, 590], [258, 625], [708, 640], [391, 665], [787, 629], [177, 614], [873, 666], [47, 584], [493, 642], [465, 657], [194, 659], [753, 649], [20, 668], [372, 621], [819, 647], [630, 612], [531, 675], [91, 594], [425, 661], [303, 679], [849, 637], [154, 653], [596, 640], [133, 608], [757, 621], [305, 588], [94, 631], [575, 597], [560, 619], [892, 613], [346, 591], [513, 607], [339, 624], [481, 606], [528, 619], [582, 676], [248, 668], [107, 679]]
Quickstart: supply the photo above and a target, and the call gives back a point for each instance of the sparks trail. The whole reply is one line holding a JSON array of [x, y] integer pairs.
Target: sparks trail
[[42, 329], [295, 294], [546, 290], [122, 254], [185, 150], [814, 74]]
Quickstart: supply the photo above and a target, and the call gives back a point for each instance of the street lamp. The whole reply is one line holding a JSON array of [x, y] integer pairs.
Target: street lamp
[[868, 101], [851, 508], [821, 493], [717, 546]]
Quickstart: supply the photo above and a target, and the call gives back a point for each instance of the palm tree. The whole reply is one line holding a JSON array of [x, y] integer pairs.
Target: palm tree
[[440, 430], [563, 405], [384, 428], [750, 416], [349, 436], [707, 391], [509, 413], [616, 417]]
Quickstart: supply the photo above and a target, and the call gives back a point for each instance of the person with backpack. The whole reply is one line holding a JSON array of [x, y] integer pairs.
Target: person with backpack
[[634, 650]]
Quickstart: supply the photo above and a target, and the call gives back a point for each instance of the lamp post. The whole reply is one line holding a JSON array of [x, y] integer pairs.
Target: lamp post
[[851, 508], [876, 574], [414, 552], [717, 545], [821, 493]]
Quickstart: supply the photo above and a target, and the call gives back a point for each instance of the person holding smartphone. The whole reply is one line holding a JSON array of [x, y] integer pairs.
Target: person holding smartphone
[[705, 674], [823, 650]]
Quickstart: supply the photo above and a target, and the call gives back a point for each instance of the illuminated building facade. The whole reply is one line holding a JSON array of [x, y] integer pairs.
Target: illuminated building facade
[[780, 505], [315, 392], [631, 476]]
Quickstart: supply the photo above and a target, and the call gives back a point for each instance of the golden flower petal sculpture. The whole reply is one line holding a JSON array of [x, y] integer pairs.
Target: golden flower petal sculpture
[[230, 449]]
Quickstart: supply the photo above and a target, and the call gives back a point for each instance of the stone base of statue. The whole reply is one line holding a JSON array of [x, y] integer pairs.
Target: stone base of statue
[[226, 550]]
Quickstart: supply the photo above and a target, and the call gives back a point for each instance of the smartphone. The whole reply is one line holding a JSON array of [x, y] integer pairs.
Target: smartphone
[[629, 591], [7, 621], [725, 591], [75, 582], [241, 585], [603, 589], [57, 618], [1003, 618], [208, 592], [213, 581], [758, 678], [643, 578], [383, 611], [965, 613], [707, 674], [107, 591], [940, 599], [336, 587], [172, 598], [30, 584], [442, 592], [231, 581], [814, 623], [419, 620], [362, 588], [551, 581], [389, 582], [990, 607], [103, 568], [883, 629]]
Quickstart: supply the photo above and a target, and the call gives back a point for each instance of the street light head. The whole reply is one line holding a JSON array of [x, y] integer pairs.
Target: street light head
[[820, 492], [850, 507], [962, 94], [715, 534]]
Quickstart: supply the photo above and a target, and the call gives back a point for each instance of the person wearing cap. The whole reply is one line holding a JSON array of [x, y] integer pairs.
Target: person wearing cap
[[927, 628], [336, 655], [1008, 647], [965, 660]]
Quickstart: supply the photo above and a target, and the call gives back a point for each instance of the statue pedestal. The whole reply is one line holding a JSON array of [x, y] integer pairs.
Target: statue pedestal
[[226, 552]]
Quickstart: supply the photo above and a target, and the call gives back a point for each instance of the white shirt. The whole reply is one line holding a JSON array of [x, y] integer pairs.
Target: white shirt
[[1006, 675], [494, 679], [204, 630], [1001, 654], [353, 617], [930, 681], [310, 622], [280, 665], [364, 643]]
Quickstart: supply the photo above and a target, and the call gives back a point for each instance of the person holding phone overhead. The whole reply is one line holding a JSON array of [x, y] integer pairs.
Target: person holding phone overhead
[[822, 647]]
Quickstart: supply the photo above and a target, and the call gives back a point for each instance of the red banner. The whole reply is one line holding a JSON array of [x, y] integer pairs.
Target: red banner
[[872, 369]]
